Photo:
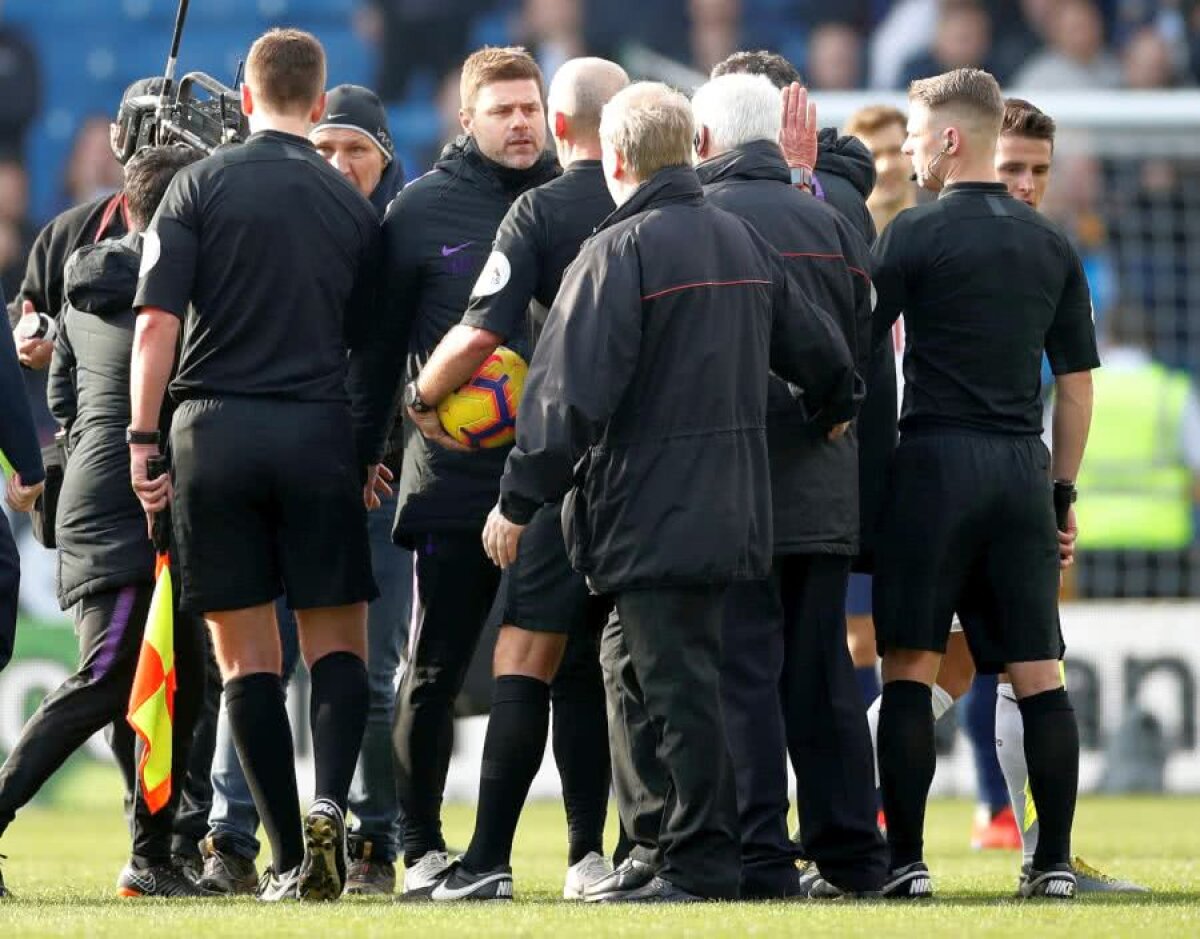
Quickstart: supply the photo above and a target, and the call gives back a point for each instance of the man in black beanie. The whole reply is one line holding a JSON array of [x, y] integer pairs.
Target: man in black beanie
[[352, 135]]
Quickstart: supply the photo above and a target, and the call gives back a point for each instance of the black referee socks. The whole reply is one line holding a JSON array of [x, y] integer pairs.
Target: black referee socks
[[338, 713], [512, 754], [906, 763], [1052, 754], [580, 740], [263, 738]]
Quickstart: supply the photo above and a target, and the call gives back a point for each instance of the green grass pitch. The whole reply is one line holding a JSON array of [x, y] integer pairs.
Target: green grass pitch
[[62, 865]]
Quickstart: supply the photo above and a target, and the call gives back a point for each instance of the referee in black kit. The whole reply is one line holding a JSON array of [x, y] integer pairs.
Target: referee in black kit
[[548, 648], [264, 256], [985, 285]]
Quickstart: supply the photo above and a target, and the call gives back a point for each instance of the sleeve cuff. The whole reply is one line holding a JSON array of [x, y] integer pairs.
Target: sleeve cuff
[[517, 509]]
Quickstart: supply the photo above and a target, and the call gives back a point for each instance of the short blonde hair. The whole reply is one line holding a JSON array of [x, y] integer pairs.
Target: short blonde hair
[[651, 125], [496, 64], [969, 90]]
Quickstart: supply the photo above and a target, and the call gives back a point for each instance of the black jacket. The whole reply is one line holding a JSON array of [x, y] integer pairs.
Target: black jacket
[[84, 224], [814, 481], [647, 395], [437, 235], [389, 186], [100, 526], [846, 172]]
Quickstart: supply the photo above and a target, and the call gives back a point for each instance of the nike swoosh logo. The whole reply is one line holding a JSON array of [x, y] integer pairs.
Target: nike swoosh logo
[[442, 892], [143, 882], [447, 251]]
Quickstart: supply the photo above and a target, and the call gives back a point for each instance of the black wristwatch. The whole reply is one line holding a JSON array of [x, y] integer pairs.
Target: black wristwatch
[[1065, 495], [413, 399], [144, 438]]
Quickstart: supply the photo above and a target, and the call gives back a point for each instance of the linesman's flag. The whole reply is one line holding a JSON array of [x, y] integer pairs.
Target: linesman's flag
[[152, 700]]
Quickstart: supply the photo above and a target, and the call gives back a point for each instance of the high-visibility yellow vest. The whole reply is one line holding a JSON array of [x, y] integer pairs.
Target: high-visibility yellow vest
[[1134, 487]]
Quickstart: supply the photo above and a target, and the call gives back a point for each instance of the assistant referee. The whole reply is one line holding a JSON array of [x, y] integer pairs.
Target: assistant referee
[[263, 255], [986, 285]]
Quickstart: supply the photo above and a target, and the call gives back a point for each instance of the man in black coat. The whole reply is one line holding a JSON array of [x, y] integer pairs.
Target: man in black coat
[[105, 560], [842, 173], [646, 400], [787, 633]]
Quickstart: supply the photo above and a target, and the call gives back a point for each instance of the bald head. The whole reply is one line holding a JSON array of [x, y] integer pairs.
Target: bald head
[[580, 90]]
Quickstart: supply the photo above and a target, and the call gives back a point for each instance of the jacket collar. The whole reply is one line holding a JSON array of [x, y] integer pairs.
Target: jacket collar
[[673, 185], [463, 157], [759, 159], [976, 188]]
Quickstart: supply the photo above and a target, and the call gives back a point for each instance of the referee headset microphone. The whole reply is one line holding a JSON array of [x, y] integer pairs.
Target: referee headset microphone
[[946, 145]]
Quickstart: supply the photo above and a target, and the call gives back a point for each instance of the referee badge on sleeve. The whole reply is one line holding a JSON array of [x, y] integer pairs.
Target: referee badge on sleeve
[[494, 276], [151, 252]]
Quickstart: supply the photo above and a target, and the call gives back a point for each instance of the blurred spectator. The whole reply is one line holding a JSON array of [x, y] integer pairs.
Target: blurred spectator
[[1074, 203], [14, 191], [447, 102], [611, 28], [716, 31], [20, 90], [835, 57], [1193, 40], [902, 34], [963, 39], [552, 30], [883, 130], [12, 257], [415, 36], [1076, 58], [92, 171], [1142, 469], [16, 232], [1155, 245], [1146, 61]]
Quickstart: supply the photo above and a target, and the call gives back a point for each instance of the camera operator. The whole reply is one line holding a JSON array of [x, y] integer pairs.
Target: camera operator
[[263, 257], [106, 217], [105, 560]]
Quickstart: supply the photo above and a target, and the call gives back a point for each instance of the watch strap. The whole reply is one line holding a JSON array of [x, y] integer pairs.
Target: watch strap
[[146, 438]]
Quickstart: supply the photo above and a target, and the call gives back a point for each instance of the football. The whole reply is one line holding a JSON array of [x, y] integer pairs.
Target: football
[[483, 413]]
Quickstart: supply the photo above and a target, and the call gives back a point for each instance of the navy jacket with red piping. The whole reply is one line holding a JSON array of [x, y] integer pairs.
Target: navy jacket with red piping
[[647, 395]]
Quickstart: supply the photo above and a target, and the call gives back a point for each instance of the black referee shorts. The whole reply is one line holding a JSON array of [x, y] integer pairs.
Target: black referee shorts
[[968, 527], [543, 592], [268, 499]]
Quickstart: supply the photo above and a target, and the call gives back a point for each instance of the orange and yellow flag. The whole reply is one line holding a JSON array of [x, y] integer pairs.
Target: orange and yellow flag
[[152, 700]]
